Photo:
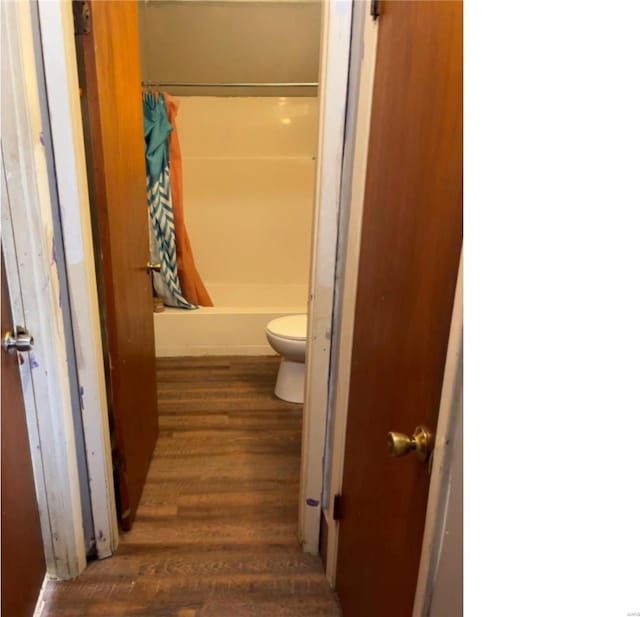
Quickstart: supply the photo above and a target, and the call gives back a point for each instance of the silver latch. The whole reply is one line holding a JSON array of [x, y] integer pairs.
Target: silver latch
[[17, 340]]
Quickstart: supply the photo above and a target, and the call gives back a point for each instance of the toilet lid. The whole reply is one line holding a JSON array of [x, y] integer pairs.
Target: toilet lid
[[291, 327]]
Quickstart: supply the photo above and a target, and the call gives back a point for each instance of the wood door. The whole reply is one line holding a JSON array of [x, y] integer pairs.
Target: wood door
[[23, 562], [411, 242], [109, 72]]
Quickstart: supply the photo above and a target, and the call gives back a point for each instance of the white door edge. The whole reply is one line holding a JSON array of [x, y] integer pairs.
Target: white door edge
[[32, 276], [334, 73]]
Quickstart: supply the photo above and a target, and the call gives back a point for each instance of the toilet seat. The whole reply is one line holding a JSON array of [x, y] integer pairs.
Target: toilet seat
[[292, 327]]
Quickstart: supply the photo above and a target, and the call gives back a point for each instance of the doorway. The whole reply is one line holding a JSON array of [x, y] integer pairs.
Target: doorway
[[334, 73], [173, 433]]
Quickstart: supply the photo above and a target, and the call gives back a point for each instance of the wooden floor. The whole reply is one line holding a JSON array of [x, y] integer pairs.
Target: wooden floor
[[215, 534]]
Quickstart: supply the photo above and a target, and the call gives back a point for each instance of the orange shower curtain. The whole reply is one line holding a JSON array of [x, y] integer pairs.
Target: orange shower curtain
[[193, 288]]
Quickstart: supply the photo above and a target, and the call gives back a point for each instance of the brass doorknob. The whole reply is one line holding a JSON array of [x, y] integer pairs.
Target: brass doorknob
[[400, 444]]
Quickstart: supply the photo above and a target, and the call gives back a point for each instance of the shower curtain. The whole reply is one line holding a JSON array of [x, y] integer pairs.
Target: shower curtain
[[193, 288], [163, 239]]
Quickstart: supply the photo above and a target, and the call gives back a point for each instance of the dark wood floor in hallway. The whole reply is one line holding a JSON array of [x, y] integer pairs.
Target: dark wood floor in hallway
[[216, 532]]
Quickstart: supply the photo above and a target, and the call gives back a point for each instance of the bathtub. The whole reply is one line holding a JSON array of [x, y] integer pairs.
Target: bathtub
[[235, 326], [249, 175]]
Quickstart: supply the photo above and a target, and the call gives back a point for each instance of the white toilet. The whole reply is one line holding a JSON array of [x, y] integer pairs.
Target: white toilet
[[288, 336]]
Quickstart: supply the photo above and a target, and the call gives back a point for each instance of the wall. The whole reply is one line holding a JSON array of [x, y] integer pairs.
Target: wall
[[249, 168], [232, 41]]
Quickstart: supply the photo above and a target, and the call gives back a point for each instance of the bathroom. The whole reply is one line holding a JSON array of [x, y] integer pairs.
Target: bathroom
[[248, 152]]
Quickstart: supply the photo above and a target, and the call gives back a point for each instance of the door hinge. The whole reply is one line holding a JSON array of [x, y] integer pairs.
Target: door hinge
[[81, 17], [337, 507], [375, 9]]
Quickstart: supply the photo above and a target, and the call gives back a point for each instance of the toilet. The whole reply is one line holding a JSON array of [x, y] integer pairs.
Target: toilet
[[288, 336]]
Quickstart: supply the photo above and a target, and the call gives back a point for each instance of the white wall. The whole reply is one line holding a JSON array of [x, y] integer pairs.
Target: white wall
[[249, 169]]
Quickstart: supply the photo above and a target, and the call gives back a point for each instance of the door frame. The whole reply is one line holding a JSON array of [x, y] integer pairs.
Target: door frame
[[365, 44], [34, 287], [332, 94], [61, 82], [35, 273]]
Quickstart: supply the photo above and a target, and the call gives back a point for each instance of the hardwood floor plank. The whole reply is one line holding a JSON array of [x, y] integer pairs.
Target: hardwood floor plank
[[216, 532]]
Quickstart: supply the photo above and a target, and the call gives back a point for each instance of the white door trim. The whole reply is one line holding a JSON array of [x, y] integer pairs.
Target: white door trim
[[334, 73], [342, 374], [32, 273], [61, 74]]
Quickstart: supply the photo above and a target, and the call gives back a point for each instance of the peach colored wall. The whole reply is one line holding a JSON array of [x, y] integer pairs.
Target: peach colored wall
[[249, 173]]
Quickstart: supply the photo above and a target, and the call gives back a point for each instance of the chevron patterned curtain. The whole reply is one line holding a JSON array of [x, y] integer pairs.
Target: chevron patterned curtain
[[162, 237]]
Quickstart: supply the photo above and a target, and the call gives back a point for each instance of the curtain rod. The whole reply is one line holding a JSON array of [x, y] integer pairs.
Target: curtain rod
[[308, 84]]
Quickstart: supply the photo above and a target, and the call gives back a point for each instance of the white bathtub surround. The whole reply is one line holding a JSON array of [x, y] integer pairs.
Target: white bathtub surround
[[249, 174], [288, 336]]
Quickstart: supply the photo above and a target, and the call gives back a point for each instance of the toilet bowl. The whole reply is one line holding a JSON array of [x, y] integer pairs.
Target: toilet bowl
[[288, 336]]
